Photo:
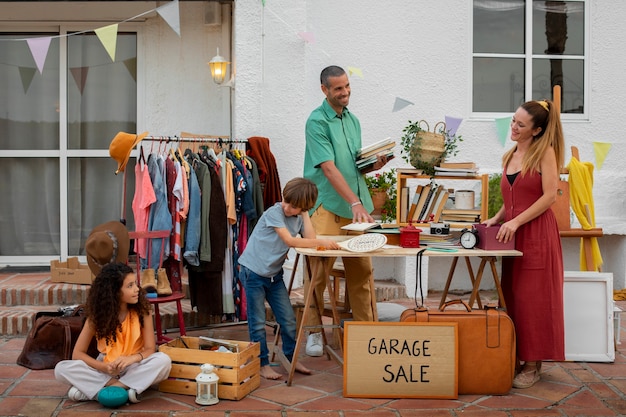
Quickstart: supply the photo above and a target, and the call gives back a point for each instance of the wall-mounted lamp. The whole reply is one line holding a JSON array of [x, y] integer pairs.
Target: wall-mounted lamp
[[218, 67]]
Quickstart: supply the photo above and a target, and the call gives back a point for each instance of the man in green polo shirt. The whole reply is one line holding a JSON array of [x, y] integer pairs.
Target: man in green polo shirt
[[333, 138]]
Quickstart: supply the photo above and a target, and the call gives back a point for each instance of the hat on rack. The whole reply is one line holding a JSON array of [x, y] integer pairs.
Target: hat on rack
[[108, 242], [122, 145]]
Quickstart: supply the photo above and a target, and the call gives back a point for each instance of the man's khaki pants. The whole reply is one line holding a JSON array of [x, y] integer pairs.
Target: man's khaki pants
[[358, 271]]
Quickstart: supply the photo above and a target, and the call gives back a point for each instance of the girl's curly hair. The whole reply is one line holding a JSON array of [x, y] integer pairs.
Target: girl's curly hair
[[103, 301]]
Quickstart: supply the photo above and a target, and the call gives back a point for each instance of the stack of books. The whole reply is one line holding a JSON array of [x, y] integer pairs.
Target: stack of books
[[456, 169], [439, 240], [427, 204], [367, 156], [469, 216]]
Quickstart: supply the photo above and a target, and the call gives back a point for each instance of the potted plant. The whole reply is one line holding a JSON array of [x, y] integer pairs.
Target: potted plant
[[382, 188], [424, 149]]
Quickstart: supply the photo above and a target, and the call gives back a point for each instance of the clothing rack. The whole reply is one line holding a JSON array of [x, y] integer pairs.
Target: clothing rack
[[205, 138]]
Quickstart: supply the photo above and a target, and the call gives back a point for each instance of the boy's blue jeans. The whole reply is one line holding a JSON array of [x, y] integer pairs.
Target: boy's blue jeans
[[258, 289]]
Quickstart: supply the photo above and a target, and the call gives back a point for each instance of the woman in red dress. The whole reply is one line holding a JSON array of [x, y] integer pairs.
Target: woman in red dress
[[533, 283]]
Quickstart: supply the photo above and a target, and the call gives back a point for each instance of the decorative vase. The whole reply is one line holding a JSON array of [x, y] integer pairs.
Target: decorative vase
[[379, 197]]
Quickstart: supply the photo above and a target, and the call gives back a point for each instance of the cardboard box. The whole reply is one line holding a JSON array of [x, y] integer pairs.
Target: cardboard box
[[487, 238], [71, 272], [238, 372]]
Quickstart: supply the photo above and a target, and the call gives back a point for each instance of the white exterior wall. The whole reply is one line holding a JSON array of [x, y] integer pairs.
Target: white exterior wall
[[415, 50], [418, 51]]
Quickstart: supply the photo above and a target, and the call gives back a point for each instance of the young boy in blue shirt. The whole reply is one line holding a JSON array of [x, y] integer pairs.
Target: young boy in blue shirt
[[261, 266]]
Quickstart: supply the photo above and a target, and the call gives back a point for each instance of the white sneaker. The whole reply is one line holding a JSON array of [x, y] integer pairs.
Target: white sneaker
[[133, 397], [75, 394], [314, 346]]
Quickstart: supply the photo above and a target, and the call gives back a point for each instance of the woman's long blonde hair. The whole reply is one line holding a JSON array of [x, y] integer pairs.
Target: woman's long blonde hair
[[545, 115]]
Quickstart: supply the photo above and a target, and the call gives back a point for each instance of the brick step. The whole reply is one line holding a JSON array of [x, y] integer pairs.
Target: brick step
[[23, 295]]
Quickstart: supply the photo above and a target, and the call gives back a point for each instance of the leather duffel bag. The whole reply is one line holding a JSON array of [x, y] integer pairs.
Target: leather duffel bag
[[52, 339]]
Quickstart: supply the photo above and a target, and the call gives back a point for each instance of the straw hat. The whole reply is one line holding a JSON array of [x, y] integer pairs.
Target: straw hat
[[122, 145], [108, 242]]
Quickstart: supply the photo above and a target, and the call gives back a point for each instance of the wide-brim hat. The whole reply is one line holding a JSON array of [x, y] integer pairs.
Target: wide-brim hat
[[122, 145], [108, 242]]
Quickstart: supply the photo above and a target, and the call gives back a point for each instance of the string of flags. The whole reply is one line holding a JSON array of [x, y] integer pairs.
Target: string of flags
[[107, 35], [170, 13]]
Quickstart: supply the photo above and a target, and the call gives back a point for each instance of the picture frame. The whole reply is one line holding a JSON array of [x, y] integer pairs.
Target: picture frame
[[588, 310]]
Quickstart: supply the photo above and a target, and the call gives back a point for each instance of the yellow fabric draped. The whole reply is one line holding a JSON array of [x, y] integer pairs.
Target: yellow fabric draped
[[581, 199], [129, 339]]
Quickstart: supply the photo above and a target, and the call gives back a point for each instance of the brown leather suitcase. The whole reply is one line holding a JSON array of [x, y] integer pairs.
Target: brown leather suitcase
[[486, 346]]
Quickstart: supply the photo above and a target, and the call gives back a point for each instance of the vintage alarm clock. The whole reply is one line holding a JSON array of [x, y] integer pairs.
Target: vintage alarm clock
[[469, 238]]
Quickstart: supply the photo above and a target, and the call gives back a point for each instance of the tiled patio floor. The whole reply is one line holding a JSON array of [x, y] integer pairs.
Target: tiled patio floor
[[566, 389]]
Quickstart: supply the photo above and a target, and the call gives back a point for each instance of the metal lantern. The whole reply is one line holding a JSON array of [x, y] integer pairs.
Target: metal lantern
[[206, 381], [218, 68]]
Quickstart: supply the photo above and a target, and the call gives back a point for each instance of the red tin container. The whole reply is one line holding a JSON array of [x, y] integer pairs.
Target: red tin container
[[410, 236]]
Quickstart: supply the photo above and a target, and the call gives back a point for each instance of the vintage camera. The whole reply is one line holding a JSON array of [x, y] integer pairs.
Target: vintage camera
[[439, 229]]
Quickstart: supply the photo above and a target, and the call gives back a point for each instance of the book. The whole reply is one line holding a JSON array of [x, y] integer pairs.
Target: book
[[367, 163], [460, 165], [404, 203], [414, 202], [420, 203], [376, 147], [410, 171], [424, 208], [367, 154], [462, 211], [360, 227], [208, 343], [432, 204], [440, 204]]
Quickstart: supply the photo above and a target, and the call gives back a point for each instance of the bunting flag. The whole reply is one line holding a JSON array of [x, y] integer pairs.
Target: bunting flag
[[27, 74], [131, 66], [169, 12], [80, 77], [39, 49], [108, 38], [601, 150], [355, 71], [502, 128], [452, 124], [308, 37], [400, 103]]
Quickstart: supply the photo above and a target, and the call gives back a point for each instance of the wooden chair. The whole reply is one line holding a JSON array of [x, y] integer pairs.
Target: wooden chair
[[177, 294]]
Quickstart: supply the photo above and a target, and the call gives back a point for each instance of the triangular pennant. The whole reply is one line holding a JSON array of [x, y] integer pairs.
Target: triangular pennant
[[502, 128], [108, 38], [171, 15], [39, 49], [308, 37], [80, 77], [452, 124], [355, 71], [27, 74], [601, 150], [400, 103], [131, 66], [263, 3]]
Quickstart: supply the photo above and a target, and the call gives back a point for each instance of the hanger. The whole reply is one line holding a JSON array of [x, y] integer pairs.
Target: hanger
[[142, 157]]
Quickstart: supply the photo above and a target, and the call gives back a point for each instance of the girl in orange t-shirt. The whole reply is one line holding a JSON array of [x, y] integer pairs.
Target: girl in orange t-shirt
[[119, 317]]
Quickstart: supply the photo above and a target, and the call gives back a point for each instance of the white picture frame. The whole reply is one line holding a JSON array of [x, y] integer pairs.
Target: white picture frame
[[588, 310]]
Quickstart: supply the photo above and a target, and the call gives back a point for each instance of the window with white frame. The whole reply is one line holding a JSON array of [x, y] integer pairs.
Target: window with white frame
[[523, 48], [56, 125]]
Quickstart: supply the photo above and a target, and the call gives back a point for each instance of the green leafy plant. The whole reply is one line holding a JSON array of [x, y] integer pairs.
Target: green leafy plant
[[413, 134], [385, 181], [495, 195]]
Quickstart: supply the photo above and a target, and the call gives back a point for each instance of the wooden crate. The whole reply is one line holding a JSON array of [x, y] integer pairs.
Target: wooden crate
[[238, 372]]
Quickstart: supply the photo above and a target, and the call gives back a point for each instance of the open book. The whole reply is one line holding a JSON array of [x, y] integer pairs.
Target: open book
[[360, 227]]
